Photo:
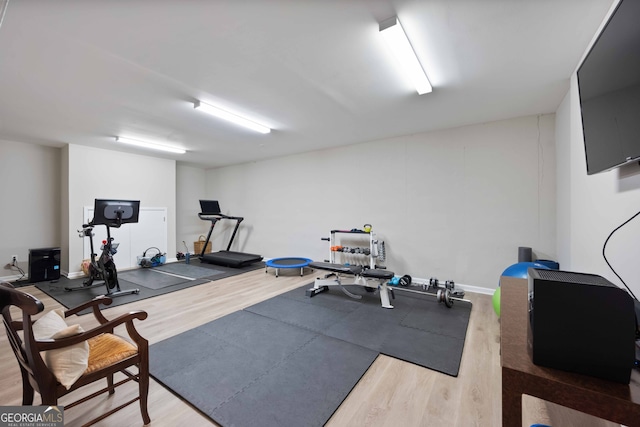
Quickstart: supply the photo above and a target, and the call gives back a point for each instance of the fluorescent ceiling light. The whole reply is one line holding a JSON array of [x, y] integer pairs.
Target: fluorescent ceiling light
[[234, 118], [400, 46], [150, 145]]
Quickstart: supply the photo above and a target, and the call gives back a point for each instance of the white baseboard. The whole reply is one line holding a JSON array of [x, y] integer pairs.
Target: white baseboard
[[466, 288], [476, 289], [75, 275], [11, 278]]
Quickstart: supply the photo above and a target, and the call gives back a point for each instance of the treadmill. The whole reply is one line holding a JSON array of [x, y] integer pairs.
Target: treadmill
[[211, 212]]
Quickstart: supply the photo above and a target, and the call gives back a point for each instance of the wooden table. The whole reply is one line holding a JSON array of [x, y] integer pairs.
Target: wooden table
[[615, 402]]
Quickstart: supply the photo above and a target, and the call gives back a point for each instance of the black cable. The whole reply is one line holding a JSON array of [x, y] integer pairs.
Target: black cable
[[605, 256], [20, 270]]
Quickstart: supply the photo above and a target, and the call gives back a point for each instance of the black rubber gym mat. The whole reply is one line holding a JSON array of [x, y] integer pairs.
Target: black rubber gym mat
[[291, 360], [57, 291], [418, 329], [154, 287], [248, 370]]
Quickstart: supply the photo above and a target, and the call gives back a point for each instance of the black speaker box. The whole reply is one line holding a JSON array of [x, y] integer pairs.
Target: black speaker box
[[44, 264], [581, 323]]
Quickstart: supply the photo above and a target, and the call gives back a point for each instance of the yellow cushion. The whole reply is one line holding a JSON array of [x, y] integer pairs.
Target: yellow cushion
[[106, 350], [69, 363]]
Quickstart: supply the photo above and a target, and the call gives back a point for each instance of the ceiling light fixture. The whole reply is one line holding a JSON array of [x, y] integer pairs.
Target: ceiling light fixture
[[151, 145], [234, 118], [400, 46]]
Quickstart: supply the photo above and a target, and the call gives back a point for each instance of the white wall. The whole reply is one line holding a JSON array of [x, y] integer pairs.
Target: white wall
[[30, 200], [96, 173], [190, 184], [453, 204], [46, 189], [591, 207]]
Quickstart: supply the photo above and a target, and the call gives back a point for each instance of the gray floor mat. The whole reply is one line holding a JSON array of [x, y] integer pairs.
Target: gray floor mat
[[149, 278], [304, 391], [152, 288], [418, 330], [313, 317], [291, 360], [246, 370], [189, 270]]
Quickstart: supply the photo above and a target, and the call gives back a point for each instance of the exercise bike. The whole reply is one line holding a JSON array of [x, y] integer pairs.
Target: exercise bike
[[103, 268]]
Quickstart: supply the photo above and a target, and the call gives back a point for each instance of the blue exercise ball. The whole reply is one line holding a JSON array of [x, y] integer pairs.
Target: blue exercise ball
[[520, 269], [549, 263]]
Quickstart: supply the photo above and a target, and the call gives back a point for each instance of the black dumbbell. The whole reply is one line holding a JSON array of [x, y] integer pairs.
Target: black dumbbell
[[405, 280]]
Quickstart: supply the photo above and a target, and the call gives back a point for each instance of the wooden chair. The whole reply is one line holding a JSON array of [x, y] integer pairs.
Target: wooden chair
[[107, 352]]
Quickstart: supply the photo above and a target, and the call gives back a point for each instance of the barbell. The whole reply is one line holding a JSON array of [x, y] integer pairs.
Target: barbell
[[442, 296]]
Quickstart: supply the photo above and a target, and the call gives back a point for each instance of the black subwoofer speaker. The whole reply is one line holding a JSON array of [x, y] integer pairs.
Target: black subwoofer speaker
[[44, 264], [581, 323]]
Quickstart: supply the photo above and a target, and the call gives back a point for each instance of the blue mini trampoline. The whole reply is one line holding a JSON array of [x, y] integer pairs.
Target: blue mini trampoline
[[287, 262]]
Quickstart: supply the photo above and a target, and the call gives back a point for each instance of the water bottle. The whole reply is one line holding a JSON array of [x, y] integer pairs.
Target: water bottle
[[187, 257]]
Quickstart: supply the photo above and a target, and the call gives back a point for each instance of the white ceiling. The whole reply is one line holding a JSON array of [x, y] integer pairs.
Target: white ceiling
[[316, 71]]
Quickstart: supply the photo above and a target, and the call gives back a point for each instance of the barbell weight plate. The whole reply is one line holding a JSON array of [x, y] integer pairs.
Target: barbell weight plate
[[405, 280], [447, 299]]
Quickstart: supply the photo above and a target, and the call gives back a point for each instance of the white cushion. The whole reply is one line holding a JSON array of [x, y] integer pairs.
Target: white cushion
[[49, 324], [69, 363]]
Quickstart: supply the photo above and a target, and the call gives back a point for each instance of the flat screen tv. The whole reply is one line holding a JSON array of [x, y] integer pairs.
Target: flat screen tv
[[609, 90], [114, 213]]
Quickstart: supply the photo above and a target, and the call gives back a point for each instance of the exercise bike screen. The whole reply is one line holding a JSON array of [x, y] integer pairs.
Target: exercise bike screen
[[111, 212]]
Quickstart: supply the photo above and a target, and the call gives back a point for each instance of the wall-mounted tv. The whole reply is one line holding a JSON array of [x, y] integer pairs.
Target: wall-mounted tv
[[609, 88]]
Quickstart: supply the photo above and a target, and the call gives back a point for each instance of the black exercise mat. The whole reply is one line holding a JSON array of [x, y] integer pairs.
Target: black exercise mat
[[291, 360], [226, 271], [56, 290], [72, 299], [418, 330], [216, 272], [247, 370]]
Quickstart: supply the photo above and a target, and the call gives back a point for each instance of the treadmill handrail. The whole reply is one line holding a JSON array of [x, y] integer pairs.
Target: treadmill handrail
[[215, 217]]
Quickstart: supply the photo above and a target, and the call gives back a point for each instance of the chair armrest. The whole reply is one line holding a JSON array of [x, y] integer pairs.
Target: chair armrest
[[95, 305], [16, 325], [51, 344]]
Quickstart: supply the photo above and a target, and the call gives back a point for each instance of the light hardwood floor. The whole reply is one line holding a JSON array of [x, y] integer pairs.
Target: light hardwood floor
[[391, 393]]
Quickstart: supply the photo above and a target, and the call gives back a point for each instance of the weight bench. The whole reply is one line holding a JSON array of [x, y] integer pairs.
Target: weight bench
[[366, 277]]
